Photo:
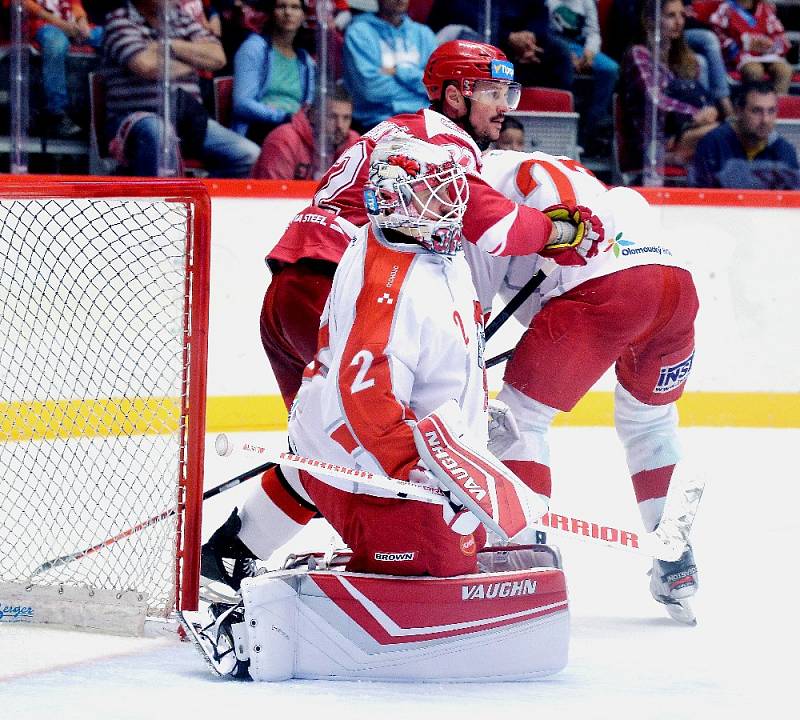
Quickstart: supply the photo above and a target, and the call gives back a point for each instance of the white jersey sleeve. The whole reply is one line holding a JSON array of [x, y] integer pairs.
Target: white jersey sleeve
[[633, 235]]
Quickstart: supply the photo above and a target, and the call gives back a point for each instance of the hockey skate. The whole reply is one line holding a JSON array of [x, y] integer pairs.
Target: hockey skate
[[224, 562], [215, 636], [673, 583]]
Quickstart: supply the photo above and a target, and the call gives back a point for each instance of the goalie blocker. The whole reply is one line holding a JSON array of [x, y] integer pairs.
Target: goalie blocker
[[477, 480], [331, 624]]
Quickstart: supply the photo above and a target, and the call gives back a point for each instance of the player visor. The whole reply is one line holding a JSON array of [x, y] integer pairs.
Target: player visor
[[493, 92]]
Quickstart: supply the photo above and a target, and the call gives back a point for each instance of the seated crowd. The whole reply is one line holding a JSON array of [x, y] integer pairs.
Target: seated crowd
[[721, 66]]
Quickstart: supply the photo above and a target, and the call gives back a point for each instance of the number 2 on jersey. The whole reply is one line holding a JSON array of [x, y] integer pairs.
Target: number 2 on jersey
[[364, 359]]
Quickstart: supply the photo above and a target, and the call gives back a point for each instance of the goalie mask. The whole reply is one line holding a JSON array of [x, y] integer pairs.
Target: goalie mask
[[419, 190]]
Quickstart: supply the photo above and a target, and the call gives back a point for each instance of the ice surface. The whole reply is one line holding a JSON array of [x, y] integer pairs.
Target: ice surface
[[627, 658]]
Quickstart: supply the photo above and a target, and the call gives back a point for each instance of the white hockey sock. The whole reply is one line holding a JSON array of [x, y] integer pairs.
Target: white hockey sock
[[274, 512]]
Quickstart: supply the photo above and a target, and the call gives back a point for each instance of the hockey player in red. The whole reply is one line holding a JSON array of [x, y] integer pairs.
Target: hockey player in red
[[471, 88], [632, 306]]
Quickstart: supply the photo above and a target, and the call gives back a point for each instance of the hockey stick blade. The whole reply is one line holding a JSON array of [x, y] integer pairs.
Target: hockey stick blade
[[72, 557]]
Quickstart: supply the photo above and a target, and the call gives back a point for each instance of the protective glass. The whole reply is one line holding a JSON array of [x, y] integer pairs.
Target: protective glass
[[493, 92]]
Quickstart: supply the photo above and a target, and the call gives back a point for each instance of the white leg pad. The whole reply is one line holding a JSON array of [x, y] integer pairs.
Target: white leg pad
[[648, 432], [340, 625]]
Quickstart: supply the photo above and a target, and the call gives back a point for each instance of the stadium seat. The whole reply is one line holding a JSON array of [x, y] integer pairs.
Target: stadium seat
[[223, 99], [549, 121], [546, 100]]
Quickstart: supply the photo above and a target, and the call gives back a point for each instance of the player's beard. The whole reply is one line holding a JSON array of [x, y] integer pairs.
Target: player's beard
[[484, 140]]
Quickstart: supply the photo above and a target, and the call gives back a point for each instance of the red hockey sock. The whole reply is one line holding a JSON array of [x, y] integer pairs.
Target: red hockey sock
[[535, 475]]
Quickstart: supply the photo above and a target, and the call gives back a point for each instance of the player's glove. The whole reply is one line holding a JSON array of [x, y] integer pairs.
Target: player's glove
[[578, 233], [503, 430]]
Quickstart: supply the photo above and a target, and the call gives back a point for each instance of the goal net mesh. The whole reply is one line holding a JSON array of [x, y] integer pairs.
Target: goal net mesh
[[92, 368]]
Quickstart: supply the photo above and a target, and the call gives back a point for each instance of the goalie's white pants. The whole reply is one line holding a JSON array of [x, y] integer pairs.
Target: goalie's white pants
[[341, 625], [649, 434]]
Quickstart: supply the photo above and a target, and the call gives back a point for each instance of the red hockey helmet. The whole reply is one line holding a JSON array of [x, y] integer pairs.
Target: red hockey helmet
[[468, 62]]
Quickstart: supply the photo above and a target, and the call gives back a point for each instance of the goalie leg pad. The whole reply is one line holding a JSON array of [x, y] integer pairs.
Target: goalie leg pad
[[340, 625], [488, 489]]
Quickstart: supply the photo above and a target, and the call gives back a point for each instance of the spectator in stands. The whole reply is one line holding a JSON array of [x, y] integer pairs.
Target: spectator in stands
[[704, 42], [520, 27], [624, 21], [204, 13], [746, 152], [56, 25], [384, 57], [239, 18], [753, 41], [512, 135], [289, 152], [685, 110], [273, 72], [207, 16], [133, 98], [576, 25]]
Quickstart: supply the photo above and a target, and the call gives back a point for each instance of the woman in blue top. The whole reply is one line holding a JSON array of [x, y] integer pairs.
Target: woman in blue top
[[273, 75]]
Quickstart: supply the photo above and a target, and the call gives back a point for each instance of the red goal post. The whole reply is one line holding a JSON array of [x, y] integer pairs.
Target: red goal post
[[104, 291]]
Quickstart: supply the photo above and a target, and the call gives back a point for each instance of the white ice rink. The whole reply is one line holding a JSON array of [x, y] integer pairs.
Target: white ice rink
[[627, 658]]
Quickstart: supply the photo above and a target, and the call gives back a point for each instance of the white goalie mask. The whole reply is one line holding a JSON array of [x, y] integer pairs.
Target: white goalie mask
[[419, 190]]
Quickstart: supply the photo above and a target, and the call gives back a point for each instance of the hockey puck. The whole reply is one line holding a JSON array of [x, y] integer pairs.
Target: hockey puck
[[223, 446]]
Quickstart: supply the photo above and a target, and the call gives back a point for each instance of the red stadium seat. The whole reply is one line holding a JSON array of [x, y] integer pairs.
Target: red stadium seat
[[545, 100], [223, 100]]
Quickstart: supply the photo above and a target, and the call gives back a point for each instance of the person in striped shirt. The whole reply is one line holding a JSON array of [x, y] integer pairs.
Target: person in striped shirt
[[133, 59]]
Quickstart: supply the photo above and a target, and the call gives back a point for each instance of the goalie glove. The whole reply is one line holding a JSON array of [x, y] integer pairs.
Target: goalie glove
[[473, 477], [503, 430], [578, 233]]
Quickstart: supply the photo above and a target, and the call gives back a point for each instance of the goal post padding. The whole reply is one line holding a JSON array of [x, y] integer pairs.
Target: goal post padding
[[103, 351]]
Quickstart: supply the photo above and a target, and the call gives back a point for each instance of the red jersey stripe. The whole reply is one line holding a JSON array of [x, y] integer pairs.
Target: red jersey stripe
[[376, 419]]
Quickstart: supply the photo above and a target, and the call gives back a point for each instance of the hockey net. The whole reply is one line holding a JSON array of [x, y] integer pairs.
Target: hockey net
[[103, 337]]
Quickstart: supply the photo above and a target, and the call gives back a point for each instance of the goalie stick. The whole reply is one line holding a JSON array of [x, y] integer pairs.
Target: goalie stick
[[667, 542], [72, 557]]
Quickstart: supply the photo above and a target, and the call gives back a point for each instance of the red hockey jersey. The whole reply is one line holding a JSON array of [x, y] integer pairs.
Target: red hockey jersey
[[492, 222]]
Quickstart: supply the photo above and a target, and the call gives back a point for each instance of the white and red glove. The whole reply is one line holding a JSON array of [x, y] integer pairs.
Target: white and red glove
[[578, 233]]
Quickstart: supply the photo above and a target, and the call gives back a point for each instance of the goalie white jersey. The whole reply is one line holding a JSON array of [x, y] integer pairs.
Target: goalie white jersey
[[633, 235], [400, 335]]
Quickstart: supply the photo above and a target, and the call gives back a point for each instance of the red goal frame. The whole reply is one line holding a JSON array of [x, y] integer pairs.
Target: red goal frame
[[195, 331]]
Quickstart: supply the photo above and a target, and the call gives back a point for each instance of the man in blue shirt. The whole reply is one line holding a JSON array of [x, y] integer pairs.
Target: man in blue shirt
[[384, 57], [746, 152]]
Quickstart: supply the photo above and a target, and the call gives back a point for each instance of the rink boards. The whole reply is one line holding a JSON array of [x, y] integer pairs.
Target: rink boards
[[735, 246]]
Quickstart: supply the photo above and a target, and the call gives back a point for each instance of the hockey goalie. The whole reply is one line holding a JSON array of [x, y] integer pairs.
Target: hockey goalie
[[398, 388]]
